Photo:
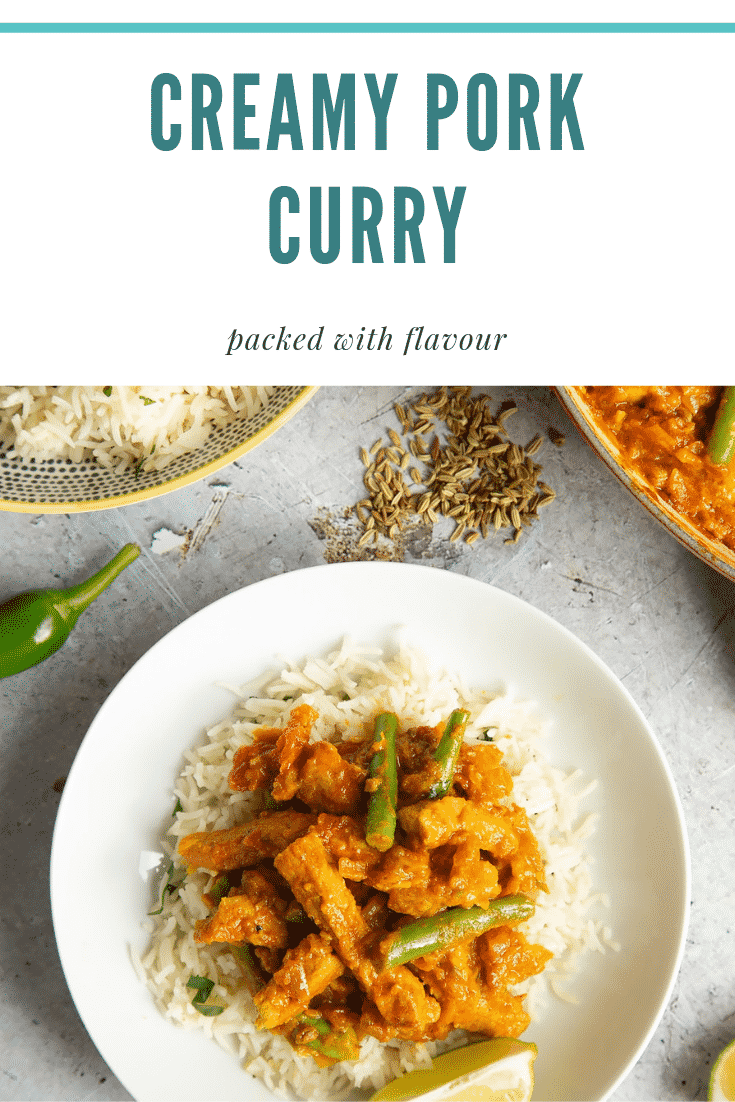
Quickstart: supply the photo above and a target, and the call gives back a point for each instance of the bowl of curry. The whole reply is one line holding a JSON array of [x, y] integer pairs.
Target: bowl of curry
[[655, 439]]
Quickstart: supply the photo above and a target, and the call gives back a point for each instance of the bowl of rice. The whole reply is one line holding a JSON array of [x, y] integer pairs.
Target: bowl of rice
[[73, 449]]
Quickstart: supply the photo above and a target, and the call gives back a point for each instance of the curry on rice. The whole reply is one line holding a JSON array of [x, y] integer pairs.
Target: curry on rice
[[343, 889], [408, 935], [662, 432]]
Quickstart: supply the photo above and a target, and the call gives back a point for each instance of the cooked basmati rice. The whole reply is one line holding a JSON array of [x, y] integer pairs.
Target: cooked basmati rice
[[347, 689], [120, 427]]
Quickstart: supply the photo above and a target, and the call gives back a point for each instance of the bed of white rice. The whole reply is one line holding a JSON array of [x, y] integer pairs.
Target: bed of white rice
[[146, 426], [347, 688]]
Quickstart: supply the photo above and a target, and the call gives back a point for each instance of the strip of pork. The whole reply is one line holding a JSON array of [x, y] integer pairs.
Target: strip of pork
[[306, 971], [324, 895], [254, 912], [244, 845]]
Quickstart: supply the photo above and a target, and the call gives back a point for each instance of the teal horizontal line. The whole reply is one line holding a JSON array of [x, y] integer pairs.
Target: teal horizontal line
[[367, 28]]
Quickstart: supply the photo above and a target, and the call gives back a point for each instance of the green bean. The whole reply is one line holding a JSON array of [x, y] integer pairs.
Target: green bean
[[447, 752], [721, 441], [251, 973], [332, 1044], [219, 889], [451, 927], [380, 827]]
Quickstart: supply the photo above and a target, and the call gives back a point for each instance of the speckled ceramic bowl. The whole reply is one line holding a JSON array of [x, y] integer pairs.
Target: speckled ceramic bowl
[[61, 486], [703, 546]]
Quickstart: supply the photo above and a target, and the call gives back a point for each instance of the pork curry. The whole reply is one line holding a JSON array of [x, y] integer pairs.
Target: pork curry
[[662, 434], [410, 934]]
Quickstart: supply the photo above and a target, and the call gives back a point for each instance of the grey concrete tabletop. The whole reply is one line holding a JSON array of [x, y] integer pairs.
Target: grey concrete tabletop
[[595, 561]]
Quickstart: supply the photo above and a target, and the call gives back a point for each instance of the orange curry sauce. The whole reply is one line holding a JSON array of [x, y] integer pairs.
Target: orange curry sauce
[[661, 432], [313, 901]]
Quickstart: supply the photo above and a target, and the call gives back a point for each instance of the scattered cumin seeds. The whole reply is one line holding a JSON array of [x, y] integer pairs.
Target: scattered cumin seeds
[[506, 413], [473, 472]]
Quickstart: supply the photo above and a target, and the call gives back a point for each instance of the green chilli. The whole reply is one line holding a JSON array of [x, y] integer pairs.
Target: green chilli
[[35, 624]]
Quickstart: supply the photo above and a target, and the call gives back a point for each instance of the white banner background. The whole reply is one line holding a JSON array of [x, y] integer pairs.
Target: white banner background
[[612, 263]]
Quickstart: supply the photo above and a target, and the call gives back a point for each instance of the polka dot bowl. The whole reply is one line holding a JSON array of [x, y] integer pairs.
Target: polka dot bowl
[[62, 486]]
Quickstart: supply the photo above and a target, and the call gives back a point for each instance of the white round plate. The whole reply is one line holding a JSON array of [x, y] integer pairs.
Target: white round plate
[[118, 800]]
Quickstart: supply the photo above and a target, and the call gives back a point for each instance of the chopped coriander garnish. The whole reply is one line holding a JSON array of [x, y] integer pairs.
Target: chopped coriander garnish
[[203, 988], [208, 1011], [171, 884], [146, 401], [142, 461], [201, 985]]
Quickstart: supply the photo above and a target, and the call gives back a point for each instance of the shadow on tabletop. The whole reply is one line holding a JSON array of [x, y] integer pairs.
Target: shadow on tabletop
[[719, 592], [705, 1048]]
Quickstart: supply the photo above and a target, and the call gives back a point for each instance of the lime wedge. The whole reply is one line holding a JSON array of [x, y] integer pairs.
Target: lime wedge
[[500, 1070], [722, 1079]]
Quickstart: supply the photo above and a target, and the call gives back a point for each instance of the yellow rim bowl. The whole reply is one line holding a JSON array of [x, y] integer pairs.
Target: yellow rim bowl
[[61, 486]]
